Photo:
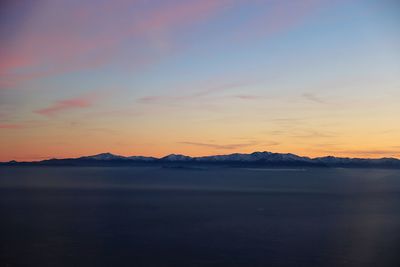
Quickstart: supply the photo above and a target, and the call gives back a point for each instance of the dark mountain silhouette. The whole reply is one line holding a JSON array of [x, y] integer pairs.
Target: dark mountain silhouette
[[256, 159]]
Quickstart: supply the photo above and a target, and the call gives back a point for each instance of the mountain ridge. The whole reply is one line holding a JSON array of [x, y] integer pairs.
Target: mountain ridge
[[258, 158]]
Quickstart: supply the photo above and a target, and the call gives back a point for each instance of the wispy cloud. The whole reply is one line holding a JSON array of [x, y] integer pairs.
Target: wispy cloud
[[116, 113], [229, 146], [369, 153], [208, 90], [248, 97], [10, 126], [220, 146], [296, 128], [46, 45], [57, 44], [287, 120], [66, 105], [313, 134], [313, 98], [282, 16]]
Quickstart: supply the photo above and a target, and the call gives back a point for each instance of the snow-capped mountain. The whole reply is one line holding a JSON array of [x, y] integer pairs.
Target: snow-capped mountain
[[141, 158], [237, 159], [176, 157], [254, 157], [104, 156]]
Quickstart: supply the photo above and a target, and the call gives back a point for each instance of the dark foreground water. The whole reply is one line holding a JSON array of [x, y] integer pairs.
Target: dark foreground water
[[216, 217]]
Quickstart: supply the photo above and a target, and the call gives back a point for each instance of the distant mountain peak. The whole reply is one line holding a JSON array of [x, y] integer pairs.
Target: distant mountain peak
[[176, 157], [104, 156], [258, 158]]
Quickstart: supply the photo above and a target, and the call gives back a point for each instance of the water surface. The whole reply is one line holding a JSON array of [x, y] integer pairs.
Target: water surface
[[151, 216]]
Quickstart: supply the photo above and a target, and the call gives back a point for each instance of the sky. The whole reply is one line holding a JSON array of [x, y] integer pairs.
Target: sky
[[199, 77]]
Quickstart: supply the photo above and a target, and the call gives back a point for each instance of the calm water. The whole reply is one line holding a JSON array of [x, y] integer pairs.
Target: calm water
[[216, 217]]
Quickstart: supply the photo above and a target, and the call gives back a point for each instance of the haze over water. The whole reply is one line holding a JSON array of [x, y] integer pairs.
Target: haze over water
[[152, 216]]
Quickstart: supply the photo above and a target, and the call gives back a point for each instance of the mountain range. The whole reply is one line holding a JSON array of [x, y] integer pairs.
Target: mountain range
[[255, 159]]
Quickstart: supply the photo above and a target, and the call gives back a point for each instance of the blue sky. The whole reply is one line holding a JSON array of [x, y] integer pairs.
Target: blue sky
[[152, 77]]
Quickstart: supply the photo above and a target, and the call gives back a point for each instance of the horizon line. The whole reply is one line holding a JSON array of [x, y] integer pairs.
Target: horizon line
[[161, 157]]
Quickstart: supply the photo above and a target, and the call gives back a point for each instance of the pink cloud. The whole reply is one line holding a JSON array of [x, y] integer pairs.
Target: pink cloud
[[10, 126], [180, 15], [84, 36], [10, 63], [66, 105]]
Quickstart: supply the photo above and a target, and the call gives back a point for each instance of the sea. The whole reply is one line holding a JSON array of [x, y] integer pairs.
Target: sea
[[217, 216]]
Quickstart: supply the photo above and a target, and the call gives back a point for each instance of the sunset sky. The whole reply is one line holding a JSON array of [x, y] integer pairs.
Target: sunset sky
[[199, 77]]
